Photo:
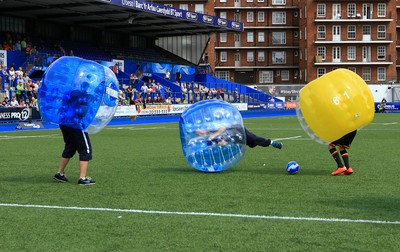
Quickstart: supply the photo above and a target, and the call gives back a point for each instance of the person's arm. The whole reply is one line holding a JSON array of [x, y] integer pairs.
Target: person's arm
[[219, 132]]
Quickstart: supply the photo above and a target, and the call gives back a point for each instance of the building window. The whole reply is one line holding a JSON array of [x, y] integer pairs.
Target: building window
[[250, 56], [223, 75], [260, 1], [266, 77], [169, 5], [381, 10], [321, 52], [381, 74], [381, 31], [224, 56], [222, 1], [199, 8], [250, 16], [278, 2], [261, 37], [381, 52], [236, 17], [284, 75], [351, 10], [223, 37], [261, 56], [279, 38], [278, 57], [278, 17], [366, 73], [249, 1], [351, 32], [353, 69], [351, 53], [222, 14], [184, 6], [321, 32], [250, 37], [321, 10], [261, 16], [321, 71]]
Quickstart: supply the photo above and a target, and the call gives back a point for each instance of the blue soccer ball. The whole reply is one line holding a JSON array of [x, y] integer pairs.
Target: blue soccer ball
[[292, 167]]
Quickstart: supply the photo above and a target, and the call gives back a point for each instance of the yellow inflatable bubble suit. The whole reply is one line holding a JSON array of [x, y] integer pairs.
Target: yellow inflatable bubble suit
[[335, 104]]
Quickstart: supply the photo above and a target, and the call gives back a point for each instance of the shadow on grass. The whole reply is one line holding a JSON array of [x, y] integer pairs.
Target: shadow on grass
[[42, 179], [378, 205]]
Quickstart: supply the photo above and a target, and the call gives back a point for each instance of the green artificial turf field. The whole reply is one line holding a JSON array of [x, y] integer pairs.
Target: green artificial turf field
[[147, 198]]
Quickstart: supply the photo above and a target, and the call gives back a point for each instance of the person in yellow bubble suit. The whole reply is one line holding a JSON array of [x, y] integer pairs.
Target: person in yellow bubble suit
[[338, 150]]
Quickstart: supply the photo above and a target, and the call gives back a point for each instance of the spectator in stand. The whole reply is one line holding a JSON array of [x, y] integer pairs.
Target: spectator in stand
[[6, 76], [134, 80], [33, 103], [6, 102], [12, 77], [143, 90], [19, 89], [23, 44], [158, 88], [22, 104], [131, 91], [167, 92], [184, 92], [17, 46], [14, 102], [236, 95], [6, 46], [26, 79], [168, 100], [221, 94], [167, 75], [178, 76], [19, 72]]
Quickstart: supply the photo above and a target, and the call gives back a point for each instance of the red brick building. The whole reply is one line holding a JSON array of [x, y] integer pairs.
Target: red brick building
[[296, 41]]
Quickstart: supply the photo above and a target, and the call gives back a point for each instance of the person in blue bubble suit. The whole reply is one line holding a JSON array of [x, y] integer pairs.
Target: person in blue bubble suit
[[81, 96], [223, 136]]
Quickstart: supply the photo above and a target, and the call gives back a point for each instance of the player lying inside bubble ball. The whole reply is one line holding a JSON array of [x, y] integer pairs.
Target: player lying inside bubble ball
[[223, 136]]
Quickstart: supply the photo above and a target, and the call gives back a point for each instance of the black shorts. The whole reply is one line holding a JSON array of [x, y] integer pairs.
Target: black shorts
[[76, 140], [346, 140]]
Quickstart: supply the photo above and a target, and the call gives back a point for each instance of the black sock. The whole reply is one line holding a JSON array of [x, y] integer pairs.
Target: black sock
[[345, 157], [336, 156]]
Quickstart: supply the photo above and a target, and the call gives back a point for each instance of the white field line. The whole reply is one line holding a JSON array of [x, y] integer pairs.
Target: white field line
[[24, 137], [204, 214], [287, 138], [134, 128]]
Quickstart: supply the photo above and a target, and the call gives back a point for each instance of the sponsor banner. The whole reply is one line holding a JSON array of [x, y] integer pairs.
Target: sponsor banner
[[167, 109], [14, 114], [3, 57], [389, 107], [160, 9], [125, 111], [30, 125]]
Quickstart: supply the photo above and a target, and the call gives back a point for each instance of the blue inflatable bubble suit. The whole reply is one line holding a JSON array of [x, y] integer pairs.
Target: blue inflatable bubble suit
[[212, 135], [79, 93]]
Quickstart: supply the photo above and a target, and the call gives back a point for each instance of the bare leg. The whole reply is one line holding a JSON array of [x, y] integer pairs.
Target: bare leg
[[83, 165], [62, 165]]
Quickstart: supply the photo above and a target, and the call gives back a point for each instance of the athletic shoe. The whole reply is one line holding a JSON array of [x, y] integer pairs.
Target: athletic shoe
[[86, 181], [349, 171], [339, 171], [277, 144], [60, 177]]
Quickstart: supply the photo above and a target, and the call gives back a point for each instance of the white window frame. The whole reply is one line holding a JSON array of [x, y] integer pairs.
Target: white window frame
[[366, 73], [278, 57], [250, 16], [351, 10], [381, 71], [279, 38], [223, 14], [321, 10], [223, 37], [321, 51], [250, 56], [285, 75], [222, 1], [266, 77], [278, 2], [261, 36], [351, 53], [199, 8], [261, 16], [250, 37], [381, 53], [381, 30], [381, 10], [278, 17], [184, 6], [260, 56], [351, 34], [223, 75], [223, 56], [321, 32], [321, 71]]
